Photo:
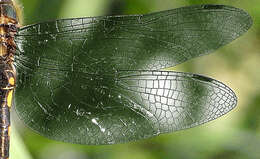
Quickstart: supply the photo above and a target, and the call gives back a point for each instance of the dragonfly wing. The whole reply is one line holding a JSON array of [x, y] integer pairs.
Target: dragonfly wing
[[71, 86], [144, 42], [121, 107]]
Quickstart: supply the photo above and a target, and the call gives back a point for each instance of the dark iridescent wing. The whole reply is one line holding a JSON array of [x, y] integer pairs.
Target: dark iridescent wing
[[73, 84]]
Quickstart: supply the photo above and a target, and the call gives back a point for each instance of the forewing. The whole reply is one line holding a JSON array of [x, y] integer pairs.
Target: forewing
[[144, 42]]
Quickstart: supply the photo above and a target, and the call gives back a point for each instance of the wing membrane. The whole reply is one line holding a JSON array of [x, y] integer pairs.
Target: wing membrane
[[75, 82], [126, 106], [151, 42]]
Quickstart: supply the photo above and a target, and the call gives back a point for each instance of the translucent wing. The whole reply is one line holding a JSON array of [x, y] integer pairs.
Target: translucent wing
[[152, 41], [126, 106], [72, 85]]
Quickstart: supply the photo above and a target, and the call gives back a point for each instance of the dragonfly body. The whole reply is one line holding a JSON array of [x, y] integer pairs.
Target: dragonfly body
[[8, 28]]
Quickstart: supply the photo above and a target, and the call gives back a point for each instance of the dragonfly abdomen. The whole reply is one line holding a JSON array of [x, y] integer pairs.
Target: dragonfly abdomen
[[7, 84], [5, 131]]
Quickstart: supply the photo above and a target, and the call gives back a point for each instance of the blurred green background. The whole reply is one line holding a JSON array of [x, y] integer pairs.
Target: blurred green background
[[233, 136]]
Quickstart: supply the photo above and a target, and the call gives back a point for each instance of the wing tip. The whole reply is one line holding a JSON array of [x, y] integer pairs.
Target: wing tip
[[232, 98], [247, 21], [218, 84]]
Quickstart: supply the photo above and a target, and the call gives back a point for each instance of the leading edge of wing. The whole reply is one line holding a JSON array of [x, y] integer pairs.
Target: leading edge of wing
[[203, 6]]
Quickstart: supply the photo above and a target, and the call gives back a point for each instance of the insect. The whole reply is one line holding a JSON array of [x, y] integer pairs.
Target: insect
[[100, 80]]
